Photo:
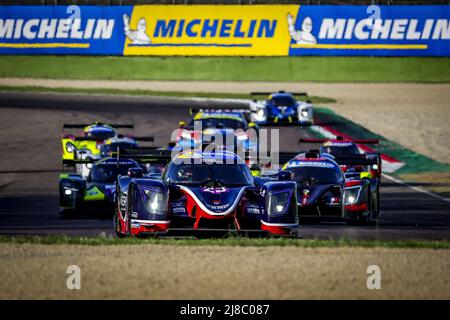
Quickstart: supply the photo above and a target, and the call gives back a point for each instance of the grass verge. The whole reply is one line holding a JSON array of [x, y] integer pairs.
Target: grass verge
[[180, 94], [241, 242], [280, 69]]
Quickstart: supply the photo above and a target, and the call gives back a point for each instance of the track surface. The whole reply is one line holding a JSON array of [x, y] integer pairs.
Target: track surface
[[29, 166]]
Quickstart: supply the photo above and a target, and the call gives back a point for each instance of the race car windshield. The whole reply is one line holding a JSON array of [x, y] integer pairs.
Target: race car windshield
[[202, 174], [318, 175], [107, 173], [283, 101], [101, 135], [341, 151], [220, 123]]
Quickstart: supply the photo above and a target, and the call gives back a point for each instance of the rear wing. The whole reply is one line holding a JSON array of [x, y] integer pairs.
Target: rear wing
[[317, 140], [79, 138], [196, 110], [283, 157], [147, 155], [83, 125], [262, 93], [72, 162], [354, 161], [136, 138], [143, 138]]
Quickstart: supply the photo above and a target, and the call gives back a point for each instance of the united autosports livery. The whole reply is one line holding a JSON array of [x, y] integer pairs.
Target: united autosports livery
[[228, 30]]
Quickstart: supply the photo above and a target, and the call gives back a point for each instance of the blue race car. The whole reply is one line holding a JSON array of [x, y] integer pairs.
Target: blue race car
[[218, 126], [204, 191], [96, 192], [281, 108], [325, 191]]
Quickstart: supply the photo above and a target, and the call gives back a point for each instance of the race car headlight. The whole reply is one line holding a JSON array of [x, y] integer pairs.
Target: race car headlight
[[69, 191], [352, 194], [277, 202], [305, 113], [242, 137], [375, 167], [156, 202], [70, 147]]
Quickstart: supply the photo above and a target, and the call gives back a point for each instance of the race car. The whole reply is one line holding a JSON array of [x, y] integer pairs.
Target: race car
[[98, 141], [344, 149], [97, 190], [281, 108], [204, 191], [324, 191], [90, 141], [228, 128]]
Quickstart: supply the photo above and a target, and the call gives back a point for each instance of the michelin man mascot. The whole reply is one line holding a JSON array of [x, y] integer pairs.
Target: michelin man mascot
[[304, 36], [138, 36]]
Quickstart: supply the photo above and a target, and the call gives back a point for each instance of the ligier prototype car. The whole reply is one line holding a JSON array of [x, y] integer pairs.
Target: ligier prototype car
[[90, 141], [97, 190], [97, 142], [344, 151], [89, 144], [204, 191], [230, 126], [324, 191], [281, 108]]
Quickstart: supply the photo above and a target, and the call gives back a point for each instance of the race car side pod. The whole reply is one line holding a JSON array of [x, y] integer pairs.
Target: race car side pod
[[317, 140]]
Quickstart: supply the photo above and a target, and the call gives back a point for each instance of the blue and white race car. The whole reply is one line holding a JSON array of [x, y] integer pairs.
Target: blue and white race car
[[281, 108]]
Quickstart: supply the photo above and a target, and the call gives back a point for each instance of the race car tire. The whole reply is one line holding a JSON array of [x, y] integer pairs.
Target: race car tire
[[364, 220], [116, 227]]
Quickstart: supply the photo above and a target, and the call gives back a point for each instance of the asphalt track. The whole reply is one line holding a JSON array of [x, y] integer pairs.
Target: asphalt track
[[29, 144]]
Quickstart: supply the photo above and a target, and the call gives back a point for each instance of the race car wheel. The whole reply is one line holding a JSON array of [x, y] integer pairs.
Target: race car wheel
[[362, 220], [127, 213], [116, 225]]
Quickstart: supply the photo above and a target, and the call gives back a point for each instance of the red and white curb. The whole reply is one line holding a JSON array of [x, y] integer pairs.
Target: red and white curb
[[390, 164]]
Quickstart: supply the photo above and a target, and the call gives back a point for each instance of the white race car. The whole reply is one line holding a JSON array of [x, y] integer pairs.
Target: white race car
[[281, 108]]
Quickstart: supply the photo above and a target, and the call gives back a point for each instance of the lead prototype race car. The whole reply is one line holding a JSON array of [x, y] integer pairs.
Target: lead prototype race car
[[204, 191]]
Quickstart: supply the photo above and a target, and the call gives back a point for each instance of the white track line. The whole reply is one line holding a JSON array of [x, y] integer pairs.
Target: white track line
[[431, 194]]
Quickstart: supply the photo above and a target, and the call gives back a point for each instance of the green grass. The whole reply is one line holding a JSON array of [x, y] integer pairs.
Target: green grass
[[181, 94], [232, 241], [332, 69]]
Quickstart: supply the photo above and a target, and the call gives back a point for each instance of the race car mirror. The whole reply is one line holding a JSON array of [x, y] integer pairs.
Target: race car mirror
[[285, 175], [135, 172]]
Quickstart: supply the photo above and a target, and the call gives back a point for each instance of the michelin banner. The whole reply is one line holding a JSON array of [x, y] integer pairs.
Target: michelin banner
[[228, 30]]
